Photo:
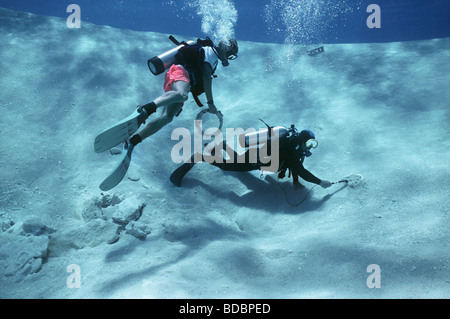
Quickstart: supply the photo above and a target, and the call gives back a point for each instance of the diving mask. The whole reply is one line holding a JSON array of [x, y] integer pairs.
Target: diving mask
[[230, 49], [230, 56], [311, 143]]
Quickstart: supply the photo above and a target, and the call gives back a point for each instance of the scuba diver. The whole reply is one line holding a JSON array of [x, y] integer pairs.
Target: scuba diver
[[193, 70], [293, 148], [191, 67]]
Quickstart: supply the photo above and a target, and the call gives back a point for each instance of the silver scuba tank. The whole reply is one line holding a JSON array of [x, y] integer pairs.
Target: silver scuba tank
[[261, 137], [160, 63]]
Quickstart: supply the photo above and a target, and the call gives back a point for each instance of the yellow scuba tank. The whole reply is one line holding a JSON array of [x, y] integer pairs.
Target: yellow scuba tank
[[160, 63]]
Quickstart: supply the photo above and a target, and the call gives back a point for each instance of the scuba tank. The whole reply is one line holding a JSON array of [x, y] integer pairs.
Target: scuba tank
[[261, 137], [160, 63]]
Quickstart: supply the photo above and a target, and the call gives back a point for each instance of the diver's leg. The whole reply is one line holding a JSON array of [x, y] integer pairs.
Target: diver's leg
[[166, 117], [235, 162], [234, 165], [176, 86], [178, 95]]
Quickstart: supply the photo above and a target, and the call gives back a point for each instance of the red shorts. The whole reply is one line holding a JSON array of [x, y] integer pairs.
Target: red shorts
[[175, 73]]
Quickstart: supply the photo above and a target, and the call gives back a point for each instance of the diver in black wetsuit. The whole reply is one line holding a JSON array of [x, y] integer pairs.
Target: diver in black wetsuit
[[294, 146]]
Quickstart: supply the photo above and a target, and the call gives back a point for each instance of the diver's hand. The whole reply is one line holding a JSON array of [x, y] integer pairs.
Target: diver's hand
[[325, 183], [212, 108]]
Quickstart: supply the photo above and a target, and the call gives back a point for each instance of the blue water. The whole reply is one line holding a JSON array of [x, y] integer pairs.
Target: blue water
[[279, 21]]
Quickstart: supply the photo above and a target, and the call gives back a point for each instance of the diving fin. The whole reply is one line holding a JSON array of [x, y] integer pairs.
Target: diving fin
[[121, 169], [120, 131], [177, 176]]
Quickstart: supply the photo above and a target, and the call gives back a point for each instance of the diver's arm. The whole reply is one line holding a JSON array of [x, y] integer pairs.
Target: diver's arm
[[207, 85], [309, 177], [301, 171]]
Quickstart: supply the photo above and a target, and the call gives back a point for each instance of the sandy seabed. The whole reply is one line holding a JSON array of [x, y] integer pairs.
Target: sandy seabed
[[379, 110]]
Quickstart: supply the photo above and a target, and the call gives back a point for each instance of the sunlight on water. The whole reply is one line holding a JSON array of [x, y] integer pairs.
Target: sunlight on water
[[303, 21]]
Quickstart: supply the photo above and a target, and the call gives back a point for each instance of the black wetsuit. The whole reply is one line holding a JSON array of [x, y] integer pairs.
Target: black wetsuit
[[288, 159]]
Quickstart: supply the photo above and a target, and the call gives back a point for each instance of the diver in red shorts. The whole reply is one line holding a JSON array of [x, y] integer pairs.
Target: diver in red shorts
[[195, 66]]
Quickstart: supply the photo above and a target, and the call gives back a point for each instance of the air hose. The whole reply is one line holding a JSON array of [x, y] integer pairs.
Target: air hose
[[352, 181]]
